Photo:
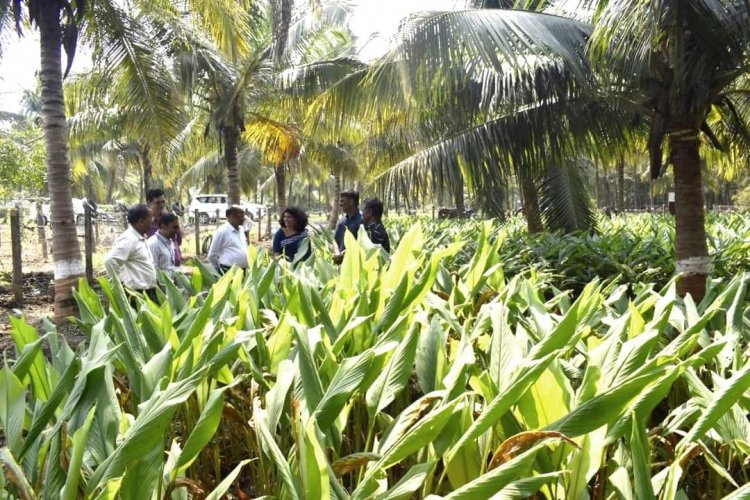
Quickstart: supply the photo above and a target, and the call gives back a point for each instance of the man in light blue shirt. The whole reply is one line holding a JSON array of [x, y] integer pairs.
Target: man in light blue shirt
[[161, 244]]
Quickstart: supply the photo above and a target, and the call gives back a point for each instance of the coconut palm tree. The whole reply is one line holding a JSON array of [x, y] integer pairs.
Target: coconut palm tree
[[58, 24], [682, 64], [494, 94], [116, 38]]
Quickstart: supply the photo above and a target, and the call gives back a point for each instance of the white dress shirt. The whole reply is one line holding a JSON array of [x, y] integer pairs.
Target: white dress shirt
[[162, 252], [228, 248], [130, 260]]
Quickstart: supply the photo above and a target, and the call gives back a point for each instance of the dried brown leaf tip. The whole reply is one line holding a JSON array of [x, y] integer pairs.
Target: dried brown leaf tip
[[352, 462], [513, 445]]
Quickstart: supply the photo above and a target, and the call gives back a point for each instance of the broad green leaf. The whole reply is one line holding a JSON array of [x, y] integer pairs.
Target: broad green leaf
[[605, 407], [80, 440], [347, 379], [547, 400], [395, 375], [566, 328], [584, 463], [12, 408], [269, 446], [197, 325], [158, 367], [465, 465], [49, 408], [147, 429], [142, 478], [504, 401], [495, 480], [420, 435], [24, 334], [203, 430], [314, 465], [226, 483], [527, 487], [409, 483], [742, 493], [723, 400], [431, 357], [276, 396], [641, 457], [505, 353], [53, 480], [27, 358], [307, 379], [410, 415]]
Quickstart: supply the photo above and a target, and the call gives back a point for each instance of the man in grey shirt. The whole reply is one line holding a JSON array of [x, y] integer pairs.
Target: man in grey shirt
[[162, 245]]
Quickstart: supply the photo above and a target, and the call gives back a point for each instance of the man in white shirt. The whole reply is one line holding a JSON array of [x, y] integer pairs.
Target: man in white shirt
[[229, 245], [129, 258], [162, 245]]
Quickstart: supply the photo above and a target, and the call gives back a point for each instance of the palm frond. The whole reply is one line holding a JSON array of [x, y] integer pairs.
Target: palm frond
[[204, 167], [563, 200], [140, 80], [278, 141], [228, 24]]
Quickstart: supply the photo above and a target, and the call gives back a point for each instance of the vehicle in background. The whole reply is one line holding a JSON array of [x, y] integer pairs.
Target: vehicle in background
[[209, 206], [79, 211]]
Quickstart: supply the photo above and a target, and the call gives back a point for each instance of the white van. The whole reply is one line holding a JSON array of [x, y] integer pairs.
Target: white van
[[209, 205]]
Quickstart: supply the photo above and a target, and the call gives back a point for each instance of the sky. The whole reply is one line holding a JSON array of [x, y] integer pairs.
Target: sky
[[19, 62]]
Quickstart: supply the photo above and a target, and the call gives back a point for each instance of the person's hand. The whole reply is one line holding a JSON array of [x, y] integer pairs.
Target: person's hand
[[338, 258]]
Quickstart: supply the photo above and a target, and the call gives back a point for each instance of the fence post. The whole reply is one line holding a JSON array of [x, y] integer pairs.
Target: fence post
[[197, 235], [41, 233], [217, 217], [268, 226], [88, 241], [260, 223], [15, 242]]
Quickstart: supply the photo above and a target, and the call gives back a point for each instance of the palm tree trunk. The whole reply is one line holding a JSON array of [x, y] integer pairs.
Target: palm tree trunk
[[111, 185], [336, 194], [230, 158], [68, 264], [148, 170], [621, 185], [691, 251], [290, 195], [280, 175], [458, 196], [596, 186], [530, 204]]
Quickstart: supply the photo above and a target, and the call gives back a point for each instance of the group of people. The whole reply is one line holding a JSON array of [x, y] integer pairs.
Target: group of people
[[293, 234], [151, 242], [153, 238]]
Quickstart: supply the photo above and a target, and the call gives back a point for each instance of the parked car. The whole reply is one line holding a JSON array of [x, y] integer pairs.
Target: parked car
[[79, 211], [452, 212], [211, 205], [29, 206]]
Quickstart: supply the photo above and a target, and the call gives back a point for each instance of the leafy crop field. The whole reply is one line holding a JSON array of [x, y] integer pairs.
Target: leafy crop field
[[474, 362]]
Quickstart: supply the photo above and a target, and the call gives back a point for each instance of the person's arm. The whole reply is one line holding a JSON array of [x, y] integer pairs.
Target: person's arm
[[338, 237], [215, 249], [276, 247], [117, 255], [157, 254], [154, 251]]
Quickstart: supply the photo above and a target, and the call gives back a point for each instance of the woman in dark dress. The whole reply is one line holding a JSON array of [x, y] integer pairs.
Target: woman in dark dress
[[292, 234]]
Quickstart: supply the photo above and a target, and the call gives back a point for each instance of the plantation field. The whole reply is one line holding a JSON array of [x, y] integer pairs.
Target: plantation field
[[474, 362]]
